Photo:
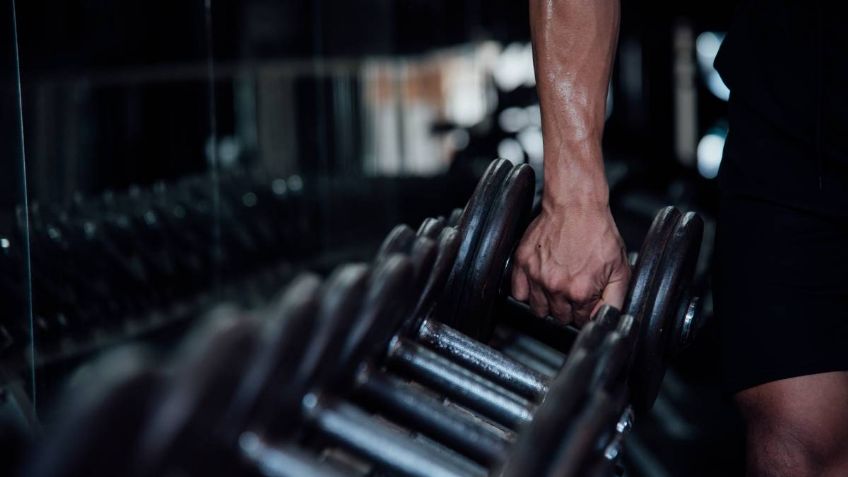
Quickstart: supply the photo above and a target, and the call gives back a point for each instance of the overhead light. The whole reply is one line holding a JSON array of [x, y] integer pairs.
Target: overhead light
[[513, 119], [531, 141], [514, 67], [709, 153], [706, 48], [511, 150]]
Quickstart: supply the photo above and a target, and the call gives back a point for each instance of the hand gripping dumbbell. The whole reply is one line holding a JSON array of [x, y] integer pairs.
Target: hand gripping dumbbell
[[375, 318], [658, 297], [493, 399], [405, 353], [506, 372], [201, 395], [413, 408], [382, 306]]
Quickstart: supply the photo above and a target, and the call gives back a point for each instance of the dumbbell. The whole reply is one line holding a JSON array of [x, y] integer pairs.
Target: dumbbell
[[286, 386], [404, 354], [187, 411], [458, 383], [577, 421], [584, 404], [201, 391], [432, 369], [386, 297], [480, 358], [491, 225], [473, 354], [368, 380], [380, 316], [109, 408]]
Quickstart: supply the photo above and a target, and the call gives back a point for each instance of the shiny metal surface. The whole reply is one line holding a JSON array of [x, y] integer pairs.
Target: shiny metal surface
[[689, 319], [625, 423], [483, 360], [422, 412], [284, 460], [459, 384], [357, 431]]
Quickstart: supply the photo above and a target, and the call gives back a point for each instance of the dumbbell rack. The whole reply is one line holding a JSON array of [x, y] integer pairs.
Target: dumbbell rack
[[395, 367], [122, 263]]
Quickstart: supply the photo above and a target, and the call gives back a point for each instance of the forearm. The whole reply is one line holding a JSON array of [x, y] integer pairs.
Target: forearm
[[573, 48]]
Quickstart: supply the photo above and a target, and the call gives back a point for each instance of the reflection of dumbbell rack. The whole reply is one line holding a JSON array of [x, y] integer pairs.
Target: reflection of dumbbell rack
[[366, 373], [119, 265]]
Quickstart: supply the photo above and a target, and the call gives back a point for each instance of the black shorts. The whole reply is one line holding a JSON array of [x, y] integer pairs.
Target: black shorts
[[781, 259], [781, 291]]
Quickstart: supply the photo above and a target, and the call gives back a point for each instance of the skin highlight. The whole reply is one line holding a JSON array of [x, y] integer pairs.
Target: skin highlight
[[572, 260]]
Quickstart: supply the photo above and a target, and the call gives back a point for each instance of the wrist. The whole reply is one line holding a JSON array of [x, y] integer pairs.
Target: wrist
[[573, 187], [592, 203]]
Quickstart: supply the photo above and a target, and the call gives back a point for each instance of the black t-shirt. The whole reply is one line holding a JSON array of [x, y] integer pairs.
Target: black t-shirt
[[786, 64]]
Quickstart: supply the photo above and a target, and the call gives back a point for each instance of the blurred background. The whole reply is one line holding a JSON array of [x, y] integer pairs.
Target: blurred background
[[159, 157]]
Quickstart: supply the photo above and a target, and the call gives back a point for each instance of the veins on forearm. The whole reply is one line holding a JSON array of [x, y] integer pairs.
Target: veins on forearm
[[574, 42]]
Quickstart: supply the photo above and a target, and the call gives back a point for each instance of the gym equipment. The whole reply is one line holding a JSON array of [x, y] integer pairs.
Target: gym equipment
[[663, 273], [385, 367], [102, 420]]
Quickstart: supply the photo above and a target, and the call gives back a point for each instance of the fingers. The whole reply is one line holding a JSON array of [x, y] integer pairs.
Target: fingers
[[541, 303], [583, 312], [520, 285], [560, 307], [538, 300], [615, 292]]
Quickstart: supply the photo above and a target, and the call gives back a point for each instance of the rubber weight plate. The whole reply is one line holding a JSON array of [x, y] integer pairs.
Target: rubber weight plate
[[209, 365], [387, 304], [399, 240], [423, 255], [584, 441], [648, 261], [453, 218], [104, 417], [285, 333], [643, 287], [507, 218], [341, 300], [555, 416], [448, 246], [615, 355], [471, 224], [431, 227], [690, 251], [668, 307]]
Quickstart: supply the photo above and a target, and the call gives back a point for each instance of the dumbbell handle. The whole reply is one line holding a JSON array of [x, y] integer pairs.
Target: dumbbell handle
[[387, 394], [356, 430], [483, 360], [283, 460], [462, 385]]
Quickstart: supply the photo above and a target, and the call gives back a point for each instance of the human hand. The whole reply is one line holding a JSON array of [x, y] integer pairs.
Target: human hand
[[571, 261]]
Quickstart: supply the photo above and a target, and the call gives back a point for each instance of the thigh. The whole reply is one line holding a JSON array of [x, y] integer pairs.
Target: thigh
[[798, 426], [781, 292]]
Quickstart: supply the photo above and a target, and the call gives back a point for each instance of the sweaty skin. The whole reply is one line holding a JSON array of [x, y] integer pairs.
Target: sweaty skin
[[572, 260]]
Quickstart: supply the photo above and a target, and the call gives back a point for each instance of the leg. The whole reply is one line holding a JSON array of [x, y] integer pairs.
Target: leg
[[797, 426], [781, 298]]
